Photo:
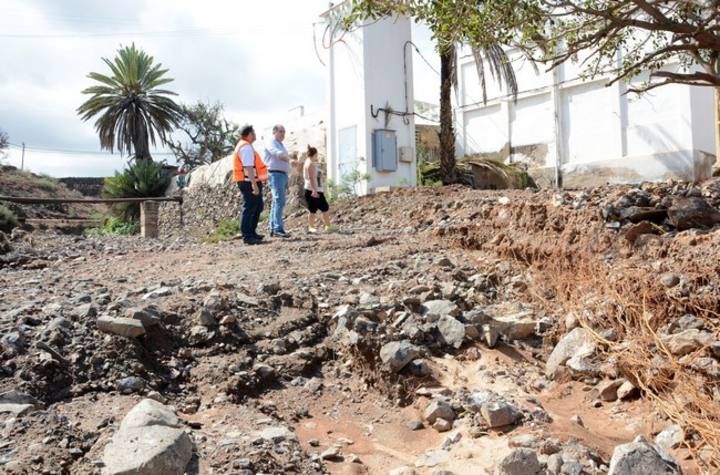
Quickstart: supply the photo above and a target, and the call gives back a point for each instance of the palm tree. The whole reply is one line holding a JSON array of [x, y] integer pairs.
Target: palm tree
[[132, 112]]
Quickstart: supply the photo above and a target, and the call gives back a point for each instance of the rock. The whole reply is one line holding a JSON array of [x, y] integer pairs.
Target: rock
[[442, 425], [13, 342], [397, 354], [148, 443], [636, 214], [574, 350], [17, 403], [275, 434], [206, 318], [576, 419], [641, 458], [693, 212], [669, 280], [527, 441], [126, 327], [670, 438], [515, 326], [404, 470], [130, 385], [496, 411], [150, 316], [688, 341], [332, 453], [87, 310], [159, 292], [432, 458], [608, 390], [149, 413], [439, 409], [368, 300], [633, 232], [419, 368], [415, 424], [451, 331], [626, 390], [519, 462], [439, 308], [686, 322], [554, 464]]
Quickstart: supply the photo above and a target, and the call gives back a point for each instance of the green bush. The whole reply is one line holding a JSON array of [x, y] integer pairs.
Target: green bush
[[225, 230], [142, 179], [114, 226], [8, 220]]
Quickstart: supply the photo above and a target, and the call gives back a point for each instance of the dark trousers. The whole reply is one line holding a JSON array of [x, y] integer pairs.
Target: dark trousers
[[252, 208]]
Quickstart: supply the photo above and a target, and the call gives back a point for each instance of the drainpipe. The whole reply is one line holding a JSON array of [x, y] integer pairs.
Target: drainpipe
[[559, 137]]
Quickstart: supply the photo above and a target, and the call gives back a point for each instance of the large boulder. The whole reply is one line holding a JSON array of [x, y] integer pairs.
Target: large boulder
[[640, 457], [496, 411], [575, 350], [519, 462], [397, 354], [452, 332], [692, 212], [149, 442]]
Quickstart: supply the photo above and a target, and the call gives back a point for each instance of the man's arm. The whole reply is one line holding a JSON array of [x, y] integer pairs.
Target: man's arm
[[278, 152]]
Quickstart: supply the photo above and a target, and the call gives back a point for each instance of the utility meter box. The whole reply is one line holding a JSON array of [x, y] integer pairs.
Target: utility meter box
[[385, 150], [407, 154]]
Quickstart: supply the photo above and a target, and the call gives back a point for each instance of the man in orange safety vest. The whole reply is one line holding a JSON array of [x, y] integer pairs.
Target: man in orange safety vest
[[249, 172]]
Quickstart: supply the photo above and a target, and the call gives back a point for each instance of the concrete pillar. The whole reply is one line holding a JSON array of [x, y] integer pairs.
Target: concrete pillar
[[149, 223]]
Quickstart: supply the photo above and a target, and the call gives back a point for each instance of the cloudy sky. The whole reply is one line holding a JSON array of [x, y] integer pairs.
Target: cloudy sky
[[255, 57]]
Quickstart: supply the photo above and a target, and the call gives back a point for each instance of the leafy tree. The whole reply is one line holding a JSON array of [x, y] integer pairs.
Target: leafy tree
[[674, 41], [132, 111], [484, 25], [207, 135]]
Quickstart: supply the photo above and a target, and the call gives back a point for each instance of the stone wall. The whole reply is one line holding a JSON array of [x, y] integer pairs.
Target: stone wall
[[88, 186], [205, 206]]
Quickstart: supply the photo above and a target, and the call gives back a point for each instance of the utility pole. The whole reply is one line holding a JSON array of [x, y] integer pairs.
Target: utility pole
[[717, 126], [22, 160]]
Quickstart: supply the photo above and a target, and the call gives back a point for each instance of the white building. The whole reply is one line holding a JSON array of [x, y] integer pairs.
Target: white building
[[563, 127], [592, 133], [371, 127]]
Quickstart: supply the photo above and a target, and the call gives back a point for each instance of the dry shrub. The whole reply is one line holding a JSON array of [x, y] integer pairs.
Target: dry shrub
[[632, 302]]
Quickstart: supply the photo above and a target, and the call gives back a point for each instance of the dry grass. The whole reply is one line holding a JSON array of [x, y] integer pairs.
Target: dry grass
[[636, 307]]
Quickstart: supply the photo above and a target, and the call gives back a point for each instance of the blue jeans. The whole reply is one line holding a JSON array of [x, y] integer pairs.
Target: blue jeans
[[278, 186], [251, 210]]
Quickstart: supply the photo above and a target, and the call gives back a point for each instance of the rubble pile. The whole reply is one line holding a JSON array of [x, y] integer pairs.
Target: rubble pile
[[428, 321]]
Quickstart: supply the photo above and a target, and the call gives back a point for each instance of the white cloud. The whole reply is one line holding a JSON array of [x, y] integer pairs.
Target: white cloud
[[257, 58]]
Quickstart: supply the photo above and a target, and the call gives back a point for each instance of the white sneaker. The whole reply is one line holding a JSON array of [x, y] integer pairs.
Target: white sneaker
[[312, 230], [331, 228]]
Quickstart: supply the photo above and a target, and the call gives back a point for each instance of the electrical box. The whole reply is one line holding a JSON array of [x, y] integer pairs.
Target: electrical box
[[407, 154], [385, 150]]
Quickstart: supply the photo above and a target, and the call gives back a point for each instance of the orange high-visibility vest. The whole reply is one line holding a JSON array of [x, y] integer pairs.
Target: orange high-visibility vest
[[261, 172]]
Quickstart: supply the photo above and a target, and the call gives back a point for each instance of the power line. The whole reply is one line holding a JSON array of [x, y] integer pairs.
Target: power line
[[65, 151], [186, 32]]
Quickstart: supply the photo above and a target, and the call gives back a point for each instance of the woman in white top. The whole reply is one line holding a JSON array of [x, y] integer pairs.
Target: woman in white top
[[315, 192]]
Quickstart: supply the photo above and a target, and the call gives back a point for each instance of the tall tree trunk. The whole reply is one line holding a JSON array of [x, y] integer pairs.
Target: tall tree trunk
[[141, 143], [447, 134]]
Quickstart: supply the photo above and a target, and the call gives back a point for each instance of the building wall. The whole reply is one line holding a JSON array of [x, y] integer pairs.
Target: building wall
[[366, 68], [596, 133]]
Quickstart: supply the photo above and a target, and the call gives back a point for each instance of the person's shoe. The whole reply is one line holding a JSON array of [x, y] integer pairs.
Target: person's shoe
[[312, 230], [252, 241], [259, 237], [331, 228], [281, 234]]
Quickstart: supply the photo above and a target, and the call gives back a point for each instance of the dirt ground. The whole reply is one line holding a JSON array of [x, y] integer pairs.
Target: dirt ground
[[552, 255]]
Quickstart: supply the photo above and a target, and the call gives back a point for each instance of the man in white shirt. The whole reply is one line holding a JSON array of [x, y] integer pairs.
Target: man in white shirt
[[279, 163]]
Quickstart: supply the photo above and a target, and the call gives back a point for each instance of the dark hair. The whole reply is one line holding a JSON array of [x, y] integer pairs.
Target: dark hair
[[277, 128], [312, 151], [246, 130]]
